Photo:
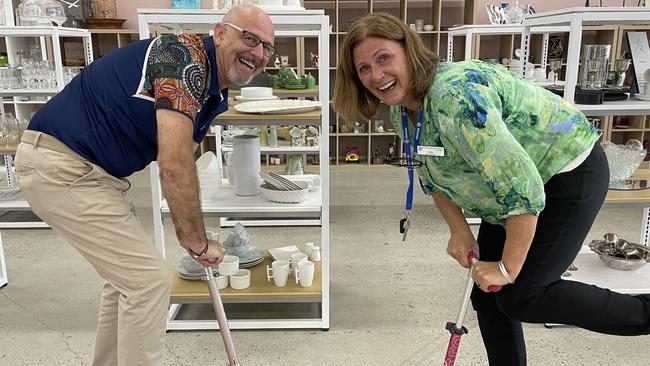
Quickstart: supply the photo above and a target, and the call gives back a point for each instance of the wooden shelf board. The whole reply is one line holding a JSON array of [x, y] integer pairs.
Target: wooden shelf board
[[184, 291]]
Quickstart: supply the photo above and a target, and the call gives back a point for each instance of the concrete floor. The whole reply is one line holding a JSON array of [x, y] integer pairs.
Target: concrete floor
[[390, 300]]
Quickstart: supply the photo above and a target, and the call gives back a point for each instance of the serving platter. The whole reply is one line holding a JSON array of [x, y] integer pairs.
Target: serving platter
[[278, 106]]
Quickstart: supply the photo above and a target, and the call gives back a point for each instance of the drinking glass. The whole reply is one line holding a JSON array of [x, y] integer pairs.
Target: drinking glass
[[555, 65]]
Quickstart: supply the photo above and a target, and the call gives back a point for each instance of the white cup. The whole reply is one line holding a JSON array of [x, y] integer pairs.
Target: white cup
[[222, 281], [241, 279], [212, 234], [284, 60], [297, 258], [308, 247], [304, 273], [280, 269], [314, 254], [229, 265]]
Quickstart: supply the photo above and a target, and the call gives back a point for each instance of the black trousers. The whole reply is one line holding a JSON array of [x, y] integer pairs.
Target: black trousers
[[539, 295]]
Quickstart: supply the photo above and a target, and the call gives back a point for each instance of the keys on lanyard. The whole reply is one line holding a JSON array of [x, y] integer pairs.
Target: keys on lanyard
[[404, 225], [405, 222]]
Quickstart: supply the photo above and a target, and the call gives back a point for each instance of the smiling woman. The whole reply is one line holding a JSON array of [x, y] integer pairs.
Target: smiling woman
[[524, 160], [403, 72]]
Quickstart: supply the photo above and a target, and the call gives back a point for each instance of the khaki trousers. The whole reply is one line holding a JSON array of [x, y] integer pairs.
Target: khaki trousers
[[88, 207]]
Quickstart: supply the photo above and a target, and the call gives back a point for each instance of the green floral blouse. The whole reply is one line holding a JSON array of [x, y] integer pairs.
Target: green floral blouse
[[503, 139]]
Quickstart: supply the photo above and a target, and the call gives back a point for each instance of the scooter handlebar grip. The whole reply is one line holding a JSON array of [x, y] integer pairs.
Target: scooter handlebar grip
[[494, 288], [471, 257]]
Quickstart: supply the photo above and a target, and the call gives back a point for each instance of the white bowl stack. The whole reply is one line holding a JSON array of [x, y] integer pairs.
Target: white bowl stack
[[252, 93], [208, 170]]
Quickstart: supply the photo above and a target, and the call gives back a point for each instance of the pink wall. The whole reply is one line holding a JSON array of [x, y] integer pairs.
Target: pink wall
[[546, 5], [127, 8]]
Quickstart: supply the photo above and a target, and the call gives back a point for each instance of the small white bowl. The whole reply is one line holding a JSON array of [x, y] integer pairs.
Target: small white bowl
[[274, 195], [222, 281], [428, 27], [256, 92], [207, 163], [241, 279], [229, 265]]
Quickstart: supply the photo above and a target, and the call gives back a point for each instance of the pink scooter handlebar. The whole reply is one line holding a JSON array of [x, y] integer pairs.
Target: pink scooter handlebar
[[471, 257]]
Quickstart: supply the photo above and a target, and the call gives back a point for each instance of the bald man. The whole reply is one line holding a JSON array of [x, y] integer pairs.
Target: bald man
[[151, 100]]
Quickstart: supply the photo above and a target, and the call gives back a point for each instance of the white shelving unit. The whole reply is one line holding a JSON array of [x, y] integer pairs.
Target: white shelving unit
[[576, 18], [307, 24], [473, 32], [16, 38], [3, 266]]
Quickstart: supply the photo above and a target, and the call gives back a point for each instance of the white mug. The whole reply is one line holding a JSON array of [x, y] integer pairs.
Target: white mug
[[297, 258], [280, 269], [229, 265], [314, 254], [308, 247], [241, 279], [304, 273]]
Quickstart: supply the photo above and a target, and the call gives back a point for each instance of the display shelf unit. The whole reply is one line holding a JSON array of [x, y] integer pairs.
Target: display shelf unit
[[441, 14], [288, 24], [50, 45], [3, 266], [592, 270], [472, 39], [577, 19]]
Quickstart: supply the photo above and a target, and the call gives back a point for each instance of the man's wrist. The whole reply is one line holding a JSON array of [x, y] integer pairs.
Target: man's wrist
[[196, 254]]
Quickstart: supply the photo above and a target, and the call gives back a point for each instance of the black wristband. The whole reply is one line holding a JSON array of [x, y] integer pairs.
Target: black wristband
[[196, 255]]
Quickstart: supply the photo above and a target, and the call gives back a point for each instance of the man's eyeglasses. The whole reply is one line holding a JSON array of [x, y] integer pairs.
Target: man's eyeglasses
[[403, 162], [251, 40]]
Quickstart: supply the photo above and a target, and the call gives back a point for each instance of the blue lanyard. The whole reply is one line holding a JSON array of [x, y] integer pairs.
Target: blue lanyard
[[410, 154]]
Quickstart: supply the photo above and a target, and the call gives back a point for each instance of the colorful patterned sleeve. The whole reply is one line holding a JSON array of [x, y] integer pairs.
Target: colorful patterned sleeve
[[177, 73], [470, 117]]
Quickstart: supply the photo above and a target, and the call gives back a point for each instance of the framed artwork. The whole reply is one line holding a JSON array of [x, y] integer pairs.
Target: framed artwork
[[640, 51], [186, 4]]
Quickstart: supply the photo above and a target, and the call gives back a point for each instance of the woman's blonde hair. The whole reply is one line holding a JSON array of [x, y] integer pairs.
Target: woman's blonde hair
[[350, 96]]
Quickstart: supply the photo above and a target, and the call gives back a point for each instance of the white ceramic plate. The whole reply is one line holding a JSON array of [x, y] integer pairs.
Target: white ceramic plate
[[283, 253], [182, 273], [642, 97], [244, 99], [277, 106], [251, 264]]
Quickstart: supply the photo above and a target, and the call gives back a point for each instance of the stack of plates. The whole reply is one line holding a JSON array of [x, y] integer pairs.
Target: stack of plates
[[194, 276], [253, 257]]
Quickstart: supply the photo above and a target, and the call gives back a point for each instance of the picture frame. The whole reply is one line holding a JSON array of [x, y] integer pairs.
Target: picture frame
[[640, 51]]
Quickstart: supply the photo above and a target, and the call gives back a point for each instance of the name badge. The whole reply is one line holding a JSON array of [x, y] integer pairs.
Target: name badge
[[431, 150]]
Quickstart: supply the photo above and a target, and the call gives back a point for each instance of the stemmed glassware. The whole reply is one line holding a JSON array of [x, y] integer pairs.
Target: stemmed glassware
[[555, 65], [56, 13]]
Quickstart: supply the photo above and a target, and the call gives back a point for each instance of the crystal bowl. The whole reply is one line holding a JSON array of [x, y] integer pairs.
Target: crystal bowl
[[623, 160]]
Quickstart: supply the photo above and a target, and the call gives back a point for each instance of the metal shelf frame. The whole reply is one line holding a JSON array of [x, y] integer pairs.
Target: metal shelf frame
[[472, 31], [288, 23]]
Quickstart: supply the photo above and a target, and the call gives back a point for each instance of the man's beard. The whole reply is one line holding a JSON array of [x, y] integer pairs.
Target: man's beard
[[239, 80]]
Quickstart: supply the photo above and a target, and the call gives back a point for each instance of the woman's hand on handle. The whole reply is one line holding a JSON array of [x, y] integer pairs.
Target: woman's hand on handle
[[459, 247], [486, 275]]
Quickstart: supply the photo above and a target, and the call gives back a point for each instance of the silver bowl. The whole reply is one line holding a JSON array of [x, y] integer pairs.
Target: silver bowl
[[632, 257]]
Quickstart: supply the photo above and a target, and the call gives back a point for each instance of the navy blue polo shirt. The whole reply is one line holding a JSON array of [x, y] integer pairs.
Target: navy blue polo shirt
[[107, 113]]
